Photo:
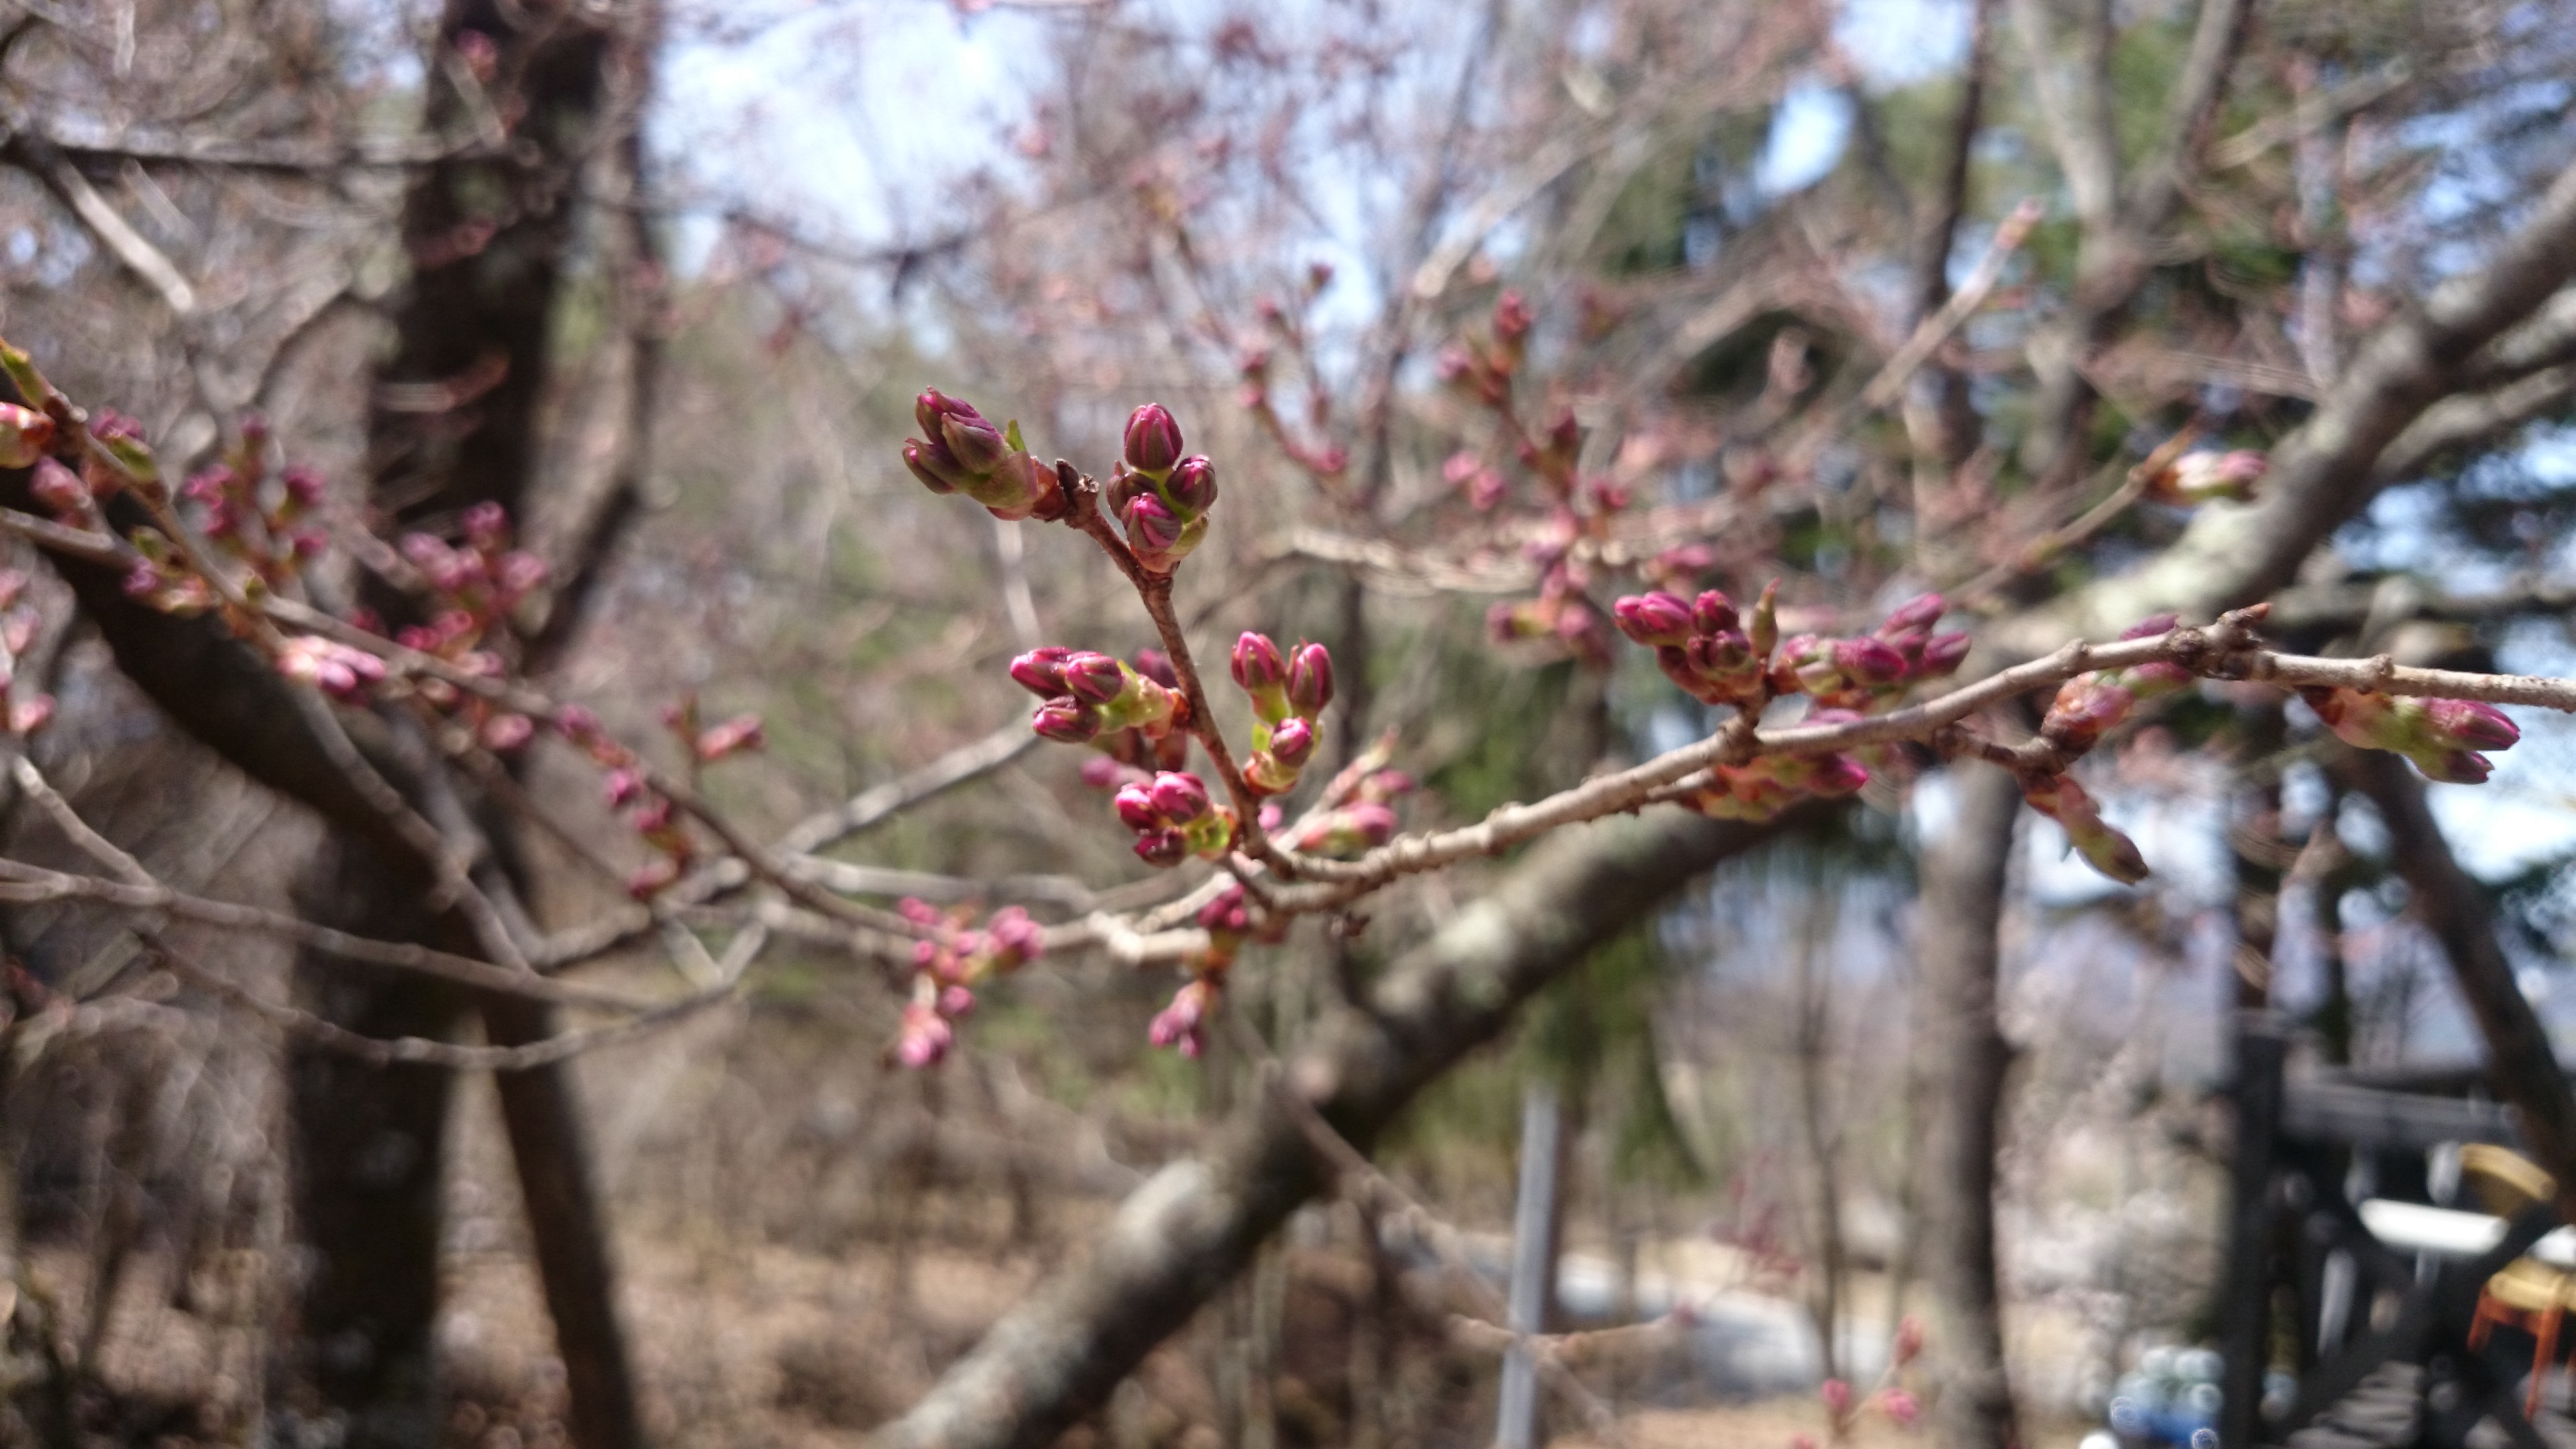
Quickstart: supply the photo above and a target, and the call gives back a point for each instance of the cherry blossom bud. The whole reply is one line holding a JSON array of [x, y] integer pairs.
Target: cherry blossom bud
[[2150, 626], [1837, 1396], [1512, 318], [1155, 665], [1713, 613], [1180, 797], [2103, 847], [972, 441], [1718, 657], [925, 1036], [1868, 661], [1093, 678], [2198, 477], [1657, 618], [1257, 664], [1018, 487], [1310, 680], [1183, 1024], [503, 733], [931, 464], [487, 527], [1942, 654], [2086, 707], [2471, 725], [742, 732], [1153, 441], [1915, 616], [1901, 1407], [1293, 742], [1162, 847], [61, 490], [1136, 808], [623, 787], [1152, 527], [1066, 720], [25, 434], [26, 716], [1908, 1343], [1041, 670], [1192, 486]]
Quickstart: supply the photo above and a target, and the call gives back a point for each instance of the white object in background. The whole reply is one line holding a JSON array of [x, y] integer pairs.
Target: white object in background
[[2413, 1227]]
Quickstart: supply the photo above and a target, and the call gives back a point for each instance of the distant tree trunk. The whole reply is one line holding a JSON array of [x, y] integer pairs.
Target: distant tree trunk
[[455, 423], [1961, 1089]]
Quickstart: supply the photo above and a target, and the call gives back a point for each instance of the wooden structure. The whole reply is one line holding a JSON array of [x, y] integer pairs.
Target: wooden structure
[[2334, 1223]]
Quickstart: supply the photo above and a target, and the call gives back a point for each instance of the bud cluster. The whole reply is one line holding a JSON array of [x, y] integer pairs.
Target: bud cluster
[[649, 812], [966, 454], [471, 592], [2198, 477], [1703, 645], [1174, 819], [1359, 824], [948, 964], [1762, 787], [260, 519], [1875, 669], [1288, 693], [1089, 696], [22, 711], [2091, 705], [2101, 844], [1158, 496], [1483, 368], [2442, 736]]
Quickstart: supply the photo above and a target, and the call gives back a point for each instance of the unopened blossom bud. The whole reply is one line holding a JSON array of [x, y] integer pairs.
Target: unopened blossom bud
[[1257, 664], [1179, 796], [1041, 670], [1652, 619], [623, 787], [503, 733], [1836, 775], [1901, 1406], [1155, 665], [2201, 476], [1136, 808], [1093, 678], [931, 464], [1310, 680], [2086, 708], [1162, 847], [1713, 613], [2103, 847], [487, 527], [1837, 1396], [1192, 486], [1942, 654], [1183, 1024], [25, 434], [1017, 487], [925, 1036], [1908, 1343], [1868, 661], [735, 735], [956, 1001], [1152, 527], [1153, 440], [1512, 318], [2470, 725], [1915, 616], [1717, 657], [1293, 742], [26, 716], [1066, 720], [61, 490]]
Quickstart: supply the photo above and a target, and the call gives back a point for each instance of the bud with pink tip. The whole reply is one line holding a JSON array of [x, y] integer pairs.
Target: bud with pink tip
[[1292, 742], [1192, 487], [1310, 680], [1915, 616], [2103, 847], [1262, 672], [1908, 1343], [1041, 670], [1901, 1406], [1093, 678], [925, 1036], [1066, 720], [1868, 662], [1714, 613], [1837, 1396], [1183, 1024], [1656, 618], [25, 435], [1180, 797], [1136, 807], [2198, 477], [2086, 708], [1153, 440], [2470, 725], [931, 463], [742, 732]]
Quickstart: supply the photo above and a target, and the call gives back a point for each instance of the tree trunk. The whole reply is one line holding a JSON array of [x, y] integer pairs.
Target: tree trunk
[[1191, 1228], [1965, 1060]]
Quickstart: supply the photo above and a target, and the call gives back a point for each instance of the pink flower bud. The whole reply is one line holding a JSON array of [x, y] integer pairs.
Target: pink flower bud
[[1066, 720], [60, 489], [1257, 663], [623, 787], [1292, 743], [1093, 678], [1152, 527], [1718, 656], [1192, 486], [977, 445], [1183, 1024], [1837, 1396], [1162, 847], [1836, 775], [740, 733], [1915, 616], [1041, 671], [1657, 618], [1372, 822], [1901, 1407], [1153, 439], [1908, 1344], [2453, 767], [1868, 661], [1155, 665], [487, 527], [1310, 680], [25, 434], [1713, 613], [1180, 797], [1942, 654], [2201, 476], [503, 733], [1512, 317], [26, 716], [925, 1036], [2150, 626], [2471, 725], [1136, 807], [2087, 707]]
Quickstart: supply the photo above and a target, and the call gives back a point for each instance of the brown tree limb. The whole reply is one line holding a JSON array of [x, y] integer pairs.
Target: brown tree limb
[[1196, 1223]]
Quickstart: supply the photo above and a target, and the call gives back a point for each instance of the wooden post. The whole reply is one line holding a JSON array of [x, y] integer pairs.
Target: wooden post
[[2244, 1317], [1516, 1425]]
